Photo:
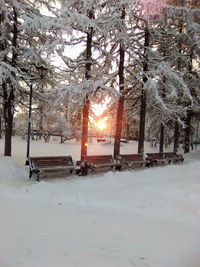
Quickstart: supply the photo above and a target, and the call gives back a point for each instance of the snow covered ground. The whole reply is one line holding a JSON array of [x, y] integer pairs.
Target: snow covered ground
[[143, 218]]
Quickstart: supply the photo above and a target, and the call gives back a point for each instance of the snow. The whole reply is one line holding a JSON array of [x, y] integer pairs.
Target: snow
[[143, 218]]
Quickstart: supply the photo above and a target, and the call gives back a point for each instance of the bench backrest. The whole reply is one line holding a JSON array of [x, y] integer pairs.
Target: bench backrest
[[155, 155], [131, 157], [99, 159], [52, 161], [170, 154]]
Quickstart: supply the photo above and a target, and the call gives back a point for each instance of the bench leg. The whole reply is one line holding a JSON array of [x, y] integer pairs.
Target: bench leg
[[77, 171], [148, 164], [93, 170], [37, 177], [83, 171], [118, 167], [37, 172]]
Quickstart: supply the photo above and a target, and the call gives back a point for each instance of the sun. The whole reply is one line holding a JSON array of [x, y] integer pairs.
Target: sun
[[101, 125]]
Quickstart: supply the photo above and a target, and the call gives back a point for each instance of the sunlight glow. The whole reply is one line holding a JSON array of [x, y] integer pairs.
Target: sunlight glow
[[98, 109], [101, 125]]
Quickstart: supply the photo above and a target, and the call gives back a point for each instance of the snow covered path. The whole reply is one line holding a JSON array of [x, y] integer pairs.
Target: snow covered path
[[42, 234], [145, 218]]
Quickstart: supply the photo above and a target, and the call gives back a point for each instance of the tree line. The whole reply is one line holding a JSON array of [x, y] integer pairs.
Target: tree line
[[142, 55]]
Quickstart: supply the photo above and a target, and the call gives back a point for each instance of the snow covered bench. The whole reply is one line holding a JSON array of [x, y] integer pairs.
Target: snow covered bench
[[96, 163], [132, 161], [155, 159], [164, 158], [57, 165], [173, 157]]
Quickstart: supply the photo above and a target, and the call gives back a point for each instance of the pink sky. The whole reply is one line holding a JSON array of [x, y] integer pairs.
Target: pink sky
[[153, 7]]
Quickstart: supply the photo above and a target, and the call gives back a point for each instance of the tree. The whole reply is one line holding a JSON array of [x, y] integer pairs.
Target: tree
[[84, 139], [143, 94], [6, 82], [120, 107], [19, 48], [188, 49], [85, 70], [166, 95]]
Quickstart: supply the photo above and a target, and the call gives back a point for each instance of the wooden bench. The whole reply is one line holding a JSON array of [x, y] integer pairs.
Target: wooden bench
[[173, 157], [95, 163], [50, 165], [131, 161], [155, 159]]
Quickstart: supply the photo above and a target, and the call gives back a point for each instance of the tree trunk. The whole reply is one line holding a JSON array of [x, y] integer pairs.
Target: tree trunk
[[187, 132], [162, 136], [142, 123], [176, 136], [187, 139], [118, 126], [8, 120], [41, 110], [8, 95], [120, 107], [179, 63], [0, 126], [85, 129], [86, 106], [143, 95]]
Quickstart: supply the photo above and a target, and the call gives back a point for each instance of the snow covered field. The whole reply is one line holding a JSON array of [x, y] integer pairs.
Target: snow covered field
[[143, 218]]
